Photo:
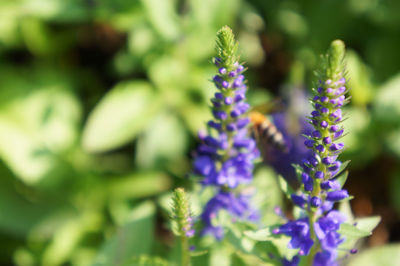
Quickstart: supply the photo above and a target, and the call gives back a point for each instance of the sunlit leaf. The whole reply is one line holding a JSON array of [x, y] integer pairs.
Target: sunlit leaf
[[368, 223], [120, 116], [388, 255], [164, 140], [67, 238], [163, 17], [34, 127], [352, 231]]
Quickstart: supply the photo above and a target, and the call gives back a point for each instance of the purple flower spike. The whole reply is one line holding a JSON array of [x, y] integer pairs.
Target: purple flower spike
[[319, 190], [226, 156]]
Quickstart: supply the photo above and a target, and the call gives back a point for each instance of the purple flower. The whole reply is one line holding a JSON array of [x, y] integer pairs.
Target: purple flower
[[299, 231], [326, 230], [293, 262], [337, 195], [298, 200], [237, 205]]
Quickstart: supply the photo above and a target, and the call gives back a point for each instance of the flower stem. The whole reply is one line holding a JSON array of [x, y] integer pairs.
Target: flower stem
[[185, 254]]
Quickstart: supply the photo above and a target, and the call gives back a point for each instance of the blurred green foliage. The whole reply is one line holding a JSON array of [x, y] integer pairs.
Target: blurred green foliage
[[100, 102]]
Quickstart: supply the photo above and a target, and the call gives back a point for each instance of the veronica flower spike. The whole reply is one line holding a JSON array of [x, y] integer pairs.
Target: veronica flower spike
[[225, 158], [316, 234]]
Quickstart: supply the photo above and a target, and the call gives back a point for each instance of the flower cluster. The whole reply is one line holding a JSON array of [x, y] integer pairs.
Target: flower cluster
[[226, 154], [317, 234]]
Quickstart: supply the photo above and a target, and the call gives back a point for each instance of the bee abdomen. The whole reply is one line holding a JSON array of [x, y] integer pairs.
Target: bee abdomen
[[273, 135]]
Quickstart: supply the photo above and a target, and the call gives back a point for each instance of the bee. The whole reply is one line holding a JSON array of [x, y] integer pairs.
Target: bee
[[264, 130]]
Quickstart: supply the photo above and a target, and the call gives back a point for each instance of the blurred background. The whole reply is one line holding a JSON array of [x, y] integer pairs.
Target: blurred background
[[101, 101]]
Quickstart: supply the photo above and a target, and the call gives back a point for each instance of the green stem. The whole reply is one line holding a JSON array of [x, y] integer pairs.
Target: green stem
[[185, 255], [314, 247]]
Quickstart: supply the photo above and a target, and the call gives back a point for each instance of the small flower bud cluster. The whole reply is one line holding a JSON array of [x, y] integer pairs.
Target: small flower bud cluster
[[181, 214], [320, 189], [225, 157]]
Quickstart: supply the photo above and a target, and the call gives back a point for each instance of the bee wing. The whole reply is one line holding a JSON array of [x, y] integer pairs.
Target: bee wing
[[273, 106]]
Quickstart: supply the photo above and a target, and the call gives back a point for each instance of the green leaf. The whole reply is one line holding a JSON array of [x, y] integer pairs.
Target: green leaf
[[120, 116], [152, 149], [198, 253], [135, 238], [286, 188], [58, 10], [368, 224], [362, 88], [68, 236], [265, 180], [351, 231], [35, 127], [163, 17], [345, 209], [388, 255], [363, 227], [299, 170], [387, 101], [21, 216], [138, 185], [220, 255], [144, 260], [259, 235], [342, 178]]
